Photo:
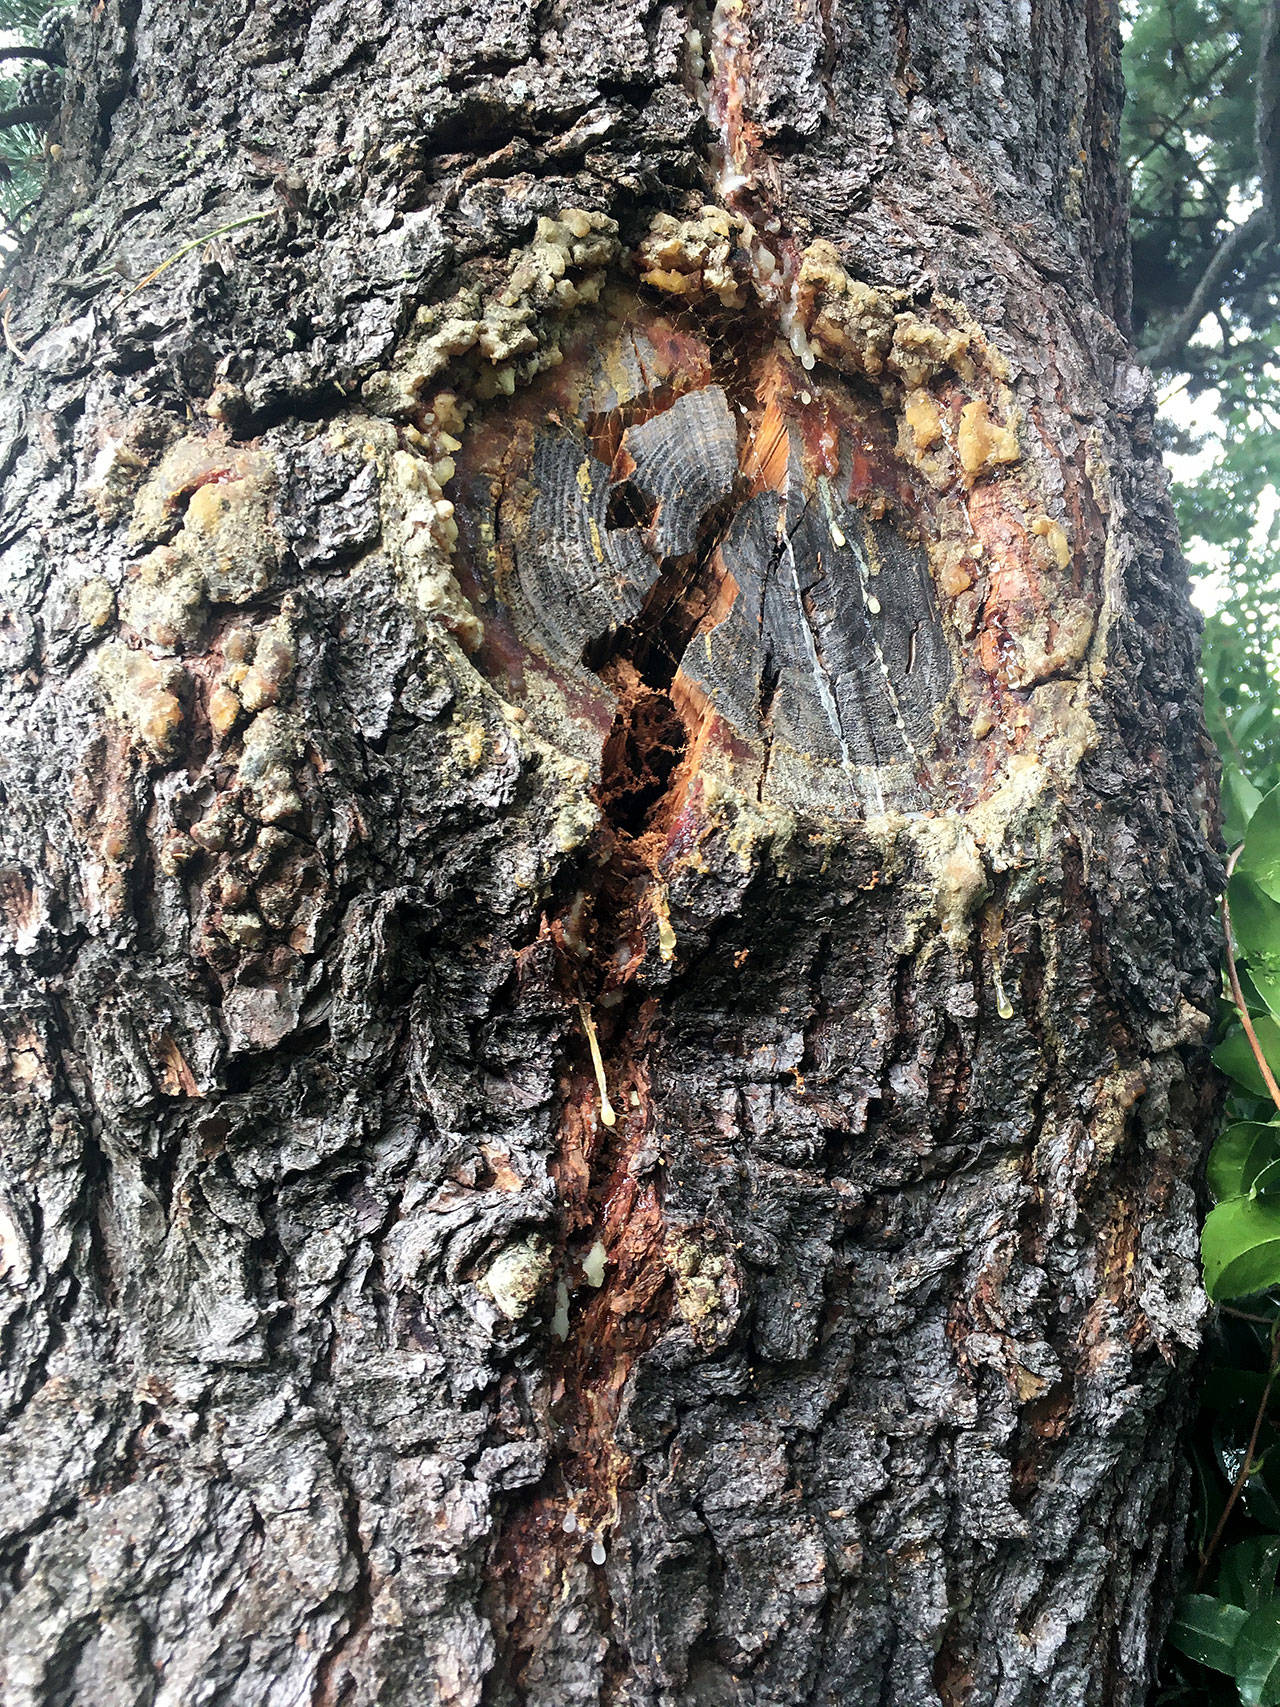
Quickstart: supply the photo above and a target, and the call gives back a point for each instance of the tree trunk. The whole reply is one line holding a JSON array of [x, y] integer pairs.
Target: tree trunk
[[606, 867]]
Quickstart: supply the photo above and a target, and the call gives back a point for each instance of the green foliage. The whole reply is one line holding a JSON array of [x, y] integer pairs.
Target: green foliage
[[1235, 1631], [1235, 1056], [1258, 863], [1188, 139], [1205, 1629], [1224, 1642], [1196, 96], [19, 162], [1245, 1150], [22, 14], [1242, 1640], [26, 85], [1194, 93], [1225, 1647], [1242, 713], [1241, 1244]]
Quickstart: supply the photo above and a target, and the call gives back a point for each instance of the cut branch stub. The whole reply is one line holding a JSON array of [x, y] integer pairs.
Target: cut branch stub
[[798, 562]]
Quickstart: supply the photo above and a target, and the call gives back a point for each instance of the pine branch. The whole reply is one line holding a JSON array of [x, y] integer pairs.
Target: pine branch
[[1261, 226], [47, 55], [1196, 94], [1237, 245], [32, 114], [27, 16]]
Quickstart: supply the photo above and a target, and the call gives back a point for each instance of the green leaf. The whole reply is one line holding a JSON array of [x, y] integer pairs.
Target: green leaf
[[1260, 860], [1240, 1246], [1235, 1057], [1205, 1629], [1255, 924], [1240, 800], [1257, 1656], [1247, 1574], [1243, 1153]]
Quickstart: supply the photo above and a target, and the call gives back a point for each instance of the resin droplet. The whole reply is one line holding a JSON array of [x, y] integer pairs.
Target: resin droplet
[[607, 1115], [593, 1265]]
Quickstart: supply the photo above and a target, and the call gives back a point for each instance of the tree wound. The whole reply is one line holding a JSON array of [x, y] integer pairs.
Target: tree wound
[[727, 542]]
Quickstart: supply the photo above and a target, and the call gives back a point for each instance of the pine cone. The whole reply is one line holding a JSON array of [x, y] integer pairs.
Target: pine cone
[[52, 29], [40, 86]]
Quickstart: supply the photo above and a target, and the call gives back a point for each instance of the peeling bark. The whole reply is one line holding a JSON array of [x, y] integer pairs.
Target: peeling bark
[[605, 868]]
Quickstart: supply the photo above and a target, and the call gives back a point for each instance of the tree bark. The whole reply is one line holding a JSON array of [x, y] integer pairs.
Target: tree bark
[[606, 867]]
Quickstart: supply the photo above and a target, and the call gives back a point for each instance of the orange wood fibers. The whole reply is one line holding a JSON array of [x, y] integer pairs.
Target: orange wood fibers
[[610, 1328], [766, 454]]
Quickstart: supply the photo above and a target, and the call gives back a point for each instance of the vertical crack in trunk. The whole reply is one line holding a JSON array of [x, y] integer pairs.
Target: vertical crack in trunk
[[609, 1161]]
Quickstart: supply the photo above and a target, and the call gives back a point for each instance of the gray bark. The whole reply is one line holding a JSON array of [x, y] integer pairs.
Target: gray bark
[[789, 744]]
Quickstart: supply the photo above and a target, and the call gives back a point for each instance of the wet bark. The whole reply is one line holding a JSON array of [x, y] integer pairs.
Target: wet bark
[[605, 867]]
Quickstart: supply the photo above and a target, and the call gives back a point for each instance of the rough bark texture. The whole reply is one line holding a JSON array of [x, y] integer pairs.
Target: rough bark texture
[[605, 867]]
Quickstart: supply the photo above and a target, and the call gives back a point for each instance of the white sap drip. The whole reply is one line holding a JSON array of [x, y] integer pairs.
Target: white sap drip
[[818, 670], [719, 97]]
